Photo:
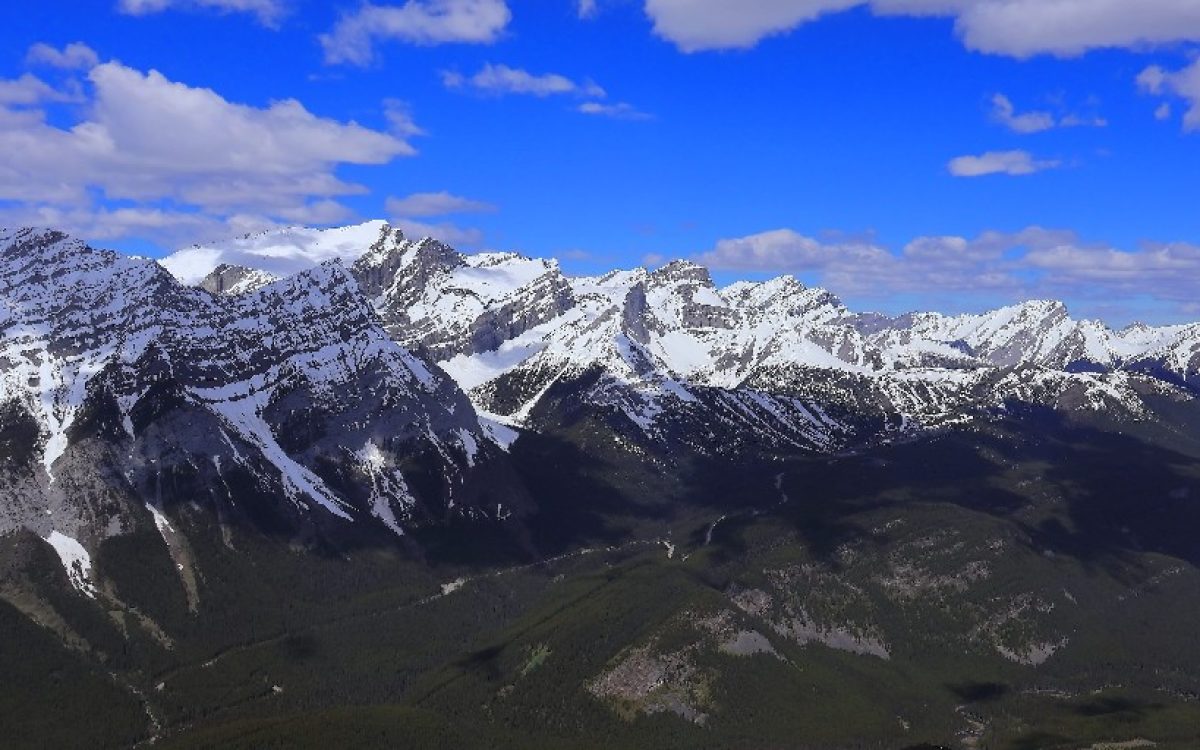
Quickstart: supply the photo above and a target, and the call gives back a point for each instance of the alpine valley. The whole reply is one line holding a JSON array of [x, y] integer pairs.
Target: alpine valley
[[347, 488]]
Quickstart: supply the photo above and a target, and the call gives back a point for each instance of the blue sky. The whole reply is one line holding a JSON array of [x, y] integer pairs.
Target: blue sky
[[956, 154]]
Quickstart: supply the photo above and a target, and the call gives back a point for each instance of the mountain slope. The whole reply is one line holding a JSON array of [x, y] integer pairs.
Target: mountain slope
[[128, 398]]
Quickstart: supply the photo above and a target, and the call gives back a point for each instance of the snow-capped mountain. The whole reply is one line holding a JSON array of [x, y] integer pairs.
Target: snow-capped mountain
[[128, 398], [433, 298], [671, 356], [377, 388], [394, 398]]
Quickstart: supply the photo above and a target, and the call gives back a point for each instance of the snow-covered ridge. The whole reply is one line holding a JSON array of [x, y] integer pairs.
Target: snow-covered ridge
[[776, 355]]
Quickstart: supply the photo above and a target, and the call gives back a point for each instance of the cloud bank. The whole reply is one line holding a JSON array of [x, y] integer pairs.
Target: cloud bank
[[412, 213], [1034, 262], [1016, 28], [1011, 163], [147, 155], [269, 12], [500, 80], [422, 22], [1183, 84]]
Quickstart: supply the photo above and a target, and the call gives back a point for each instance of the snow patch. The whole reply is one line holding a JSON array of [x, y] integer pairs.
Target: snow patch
[[496, 431], [76, 560], [469, 445], [160, 521]]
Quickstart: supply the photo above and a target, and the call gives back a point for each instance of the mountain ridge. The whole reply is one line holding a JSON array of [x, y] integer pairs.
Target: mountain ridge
[[776, 354]]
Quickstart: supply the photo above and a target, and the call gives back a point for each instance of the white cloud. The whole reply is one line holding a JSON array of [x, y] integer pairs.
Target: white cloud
[[587, 8], [1163, 112], [785, 249], [1025, 123], [950, 265], [1018, 28], [74, 56], [165, 149], [424, 22], [1005, 113], [171, 227], [1013, 163], [616, 110], [1034, 262], [400, 119], [1152, 80], [1163, 270], [1082, 121], [1184, 84], [408, 213], [1068, 28], [443, 231], [30, 90], [268, 11], [695, 25], [435, 204], [501, 79]]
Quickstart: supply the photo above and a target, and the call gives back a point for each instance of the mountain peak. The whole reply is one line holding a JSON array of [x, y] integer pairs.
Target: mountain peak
[[39, 242], [392, 256], [1044, 307], [682, 270]]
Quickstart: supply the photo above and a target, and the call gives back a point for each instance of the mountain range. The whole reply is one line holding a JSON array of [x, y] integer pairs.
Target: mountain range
[[303, 395]]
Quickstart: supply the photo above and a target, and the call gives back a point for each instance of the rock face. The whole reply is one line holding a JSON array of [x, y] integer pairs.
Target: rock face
[[433, 298], [126, 396], [230, 279]]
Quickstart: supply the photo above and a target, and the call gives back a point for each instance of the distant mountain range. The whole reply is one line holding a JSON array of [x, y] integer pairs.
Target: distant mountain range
[[669, 351], [383, 381]]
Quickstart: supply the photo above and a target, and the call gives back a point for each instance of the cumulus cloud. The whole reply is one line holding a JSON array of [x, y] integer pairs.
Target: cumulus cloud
[[501, 79], [1018, 28], [451, 234], [424, 22], [1012, 163], [787, 250], [30, 90], [1168, 270], [159, 148], [1034, 262], [268, 11], [695, 25], [400, 119], [1006, 114], [953, 265], [74, 56], [1184, 84], [411, 212], [615, 110], [587, 8], [436, 204], [172, 227]]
